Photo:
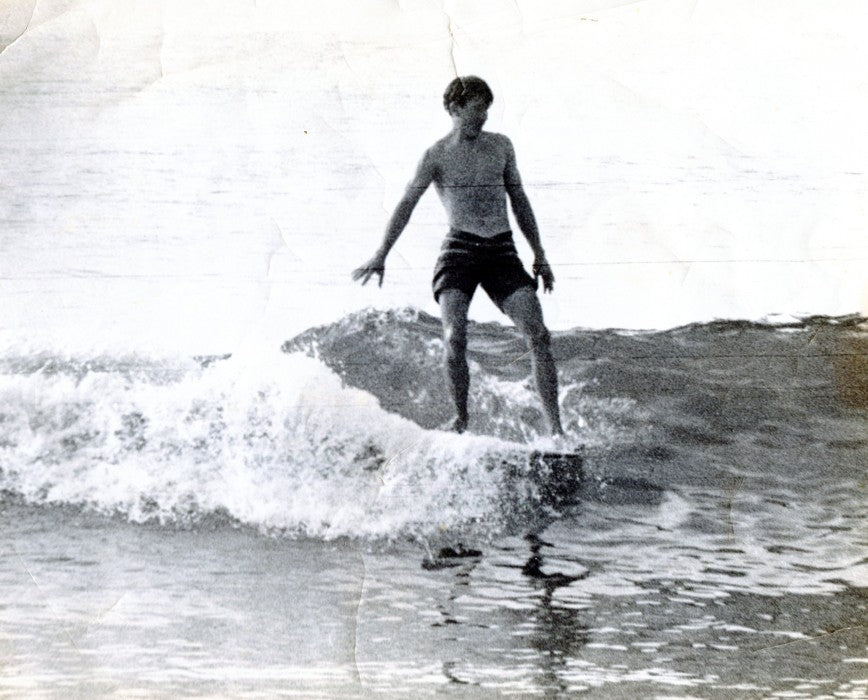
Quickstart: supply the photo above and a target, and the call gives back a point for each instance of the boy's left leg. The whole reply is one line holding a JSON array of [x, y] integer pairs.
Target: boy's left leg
[[523, 307]]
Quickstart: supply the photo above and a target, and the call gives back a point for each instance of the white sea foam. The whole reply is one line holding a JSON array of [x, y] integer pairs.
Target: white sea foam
[[273, 440]]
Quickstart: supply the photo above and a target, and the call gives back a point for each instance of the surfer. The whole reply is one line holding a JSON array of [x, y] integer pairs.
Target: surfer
[[474, 171]]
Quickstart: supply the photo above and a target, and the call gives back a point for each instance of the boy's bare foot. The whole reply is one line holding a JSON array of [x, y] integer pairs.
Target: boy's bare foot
[[456, 425]]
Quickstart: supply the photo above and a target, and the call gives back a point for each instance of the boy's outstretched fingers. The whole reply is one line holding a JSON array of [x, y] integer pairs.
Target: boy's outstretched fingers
[[365, 272]]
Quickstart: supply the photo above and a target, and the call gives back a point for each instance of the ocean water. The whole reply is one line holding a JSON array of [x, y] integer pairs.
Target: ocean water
[[180, 184], [291, 522]]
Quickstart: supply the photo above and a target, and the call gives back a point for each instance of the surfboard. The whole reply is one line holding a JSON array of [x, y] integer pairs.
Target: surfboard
[[558, 476], [554, 478]]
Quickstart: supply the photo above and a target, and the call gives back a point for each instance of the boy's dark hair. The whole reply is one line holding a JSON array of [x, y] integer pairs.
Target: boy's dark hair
[[461, 90]]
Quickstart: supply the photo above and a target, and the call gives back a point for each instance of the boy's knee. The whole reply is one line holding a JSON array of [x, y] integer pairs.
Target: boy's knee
[[539, 337], [455, 339]]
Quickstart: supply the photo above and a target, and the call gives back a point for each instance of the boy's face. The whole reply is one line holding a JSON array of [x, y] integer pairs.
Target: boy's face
[[470, 118]]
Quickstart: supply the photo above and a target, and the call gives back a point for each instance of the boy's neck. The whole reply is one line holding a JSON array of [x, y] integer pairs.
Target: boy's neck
[[458, 136]]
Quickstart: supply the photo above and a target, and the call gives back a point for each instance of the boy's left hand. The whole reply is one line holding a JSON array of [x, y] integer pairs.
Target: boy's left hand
[[541, 268]]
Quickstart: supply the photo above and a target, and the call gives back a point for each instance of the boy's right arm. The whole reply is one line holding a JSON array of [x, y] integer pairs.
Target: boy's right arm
[[415, 189]]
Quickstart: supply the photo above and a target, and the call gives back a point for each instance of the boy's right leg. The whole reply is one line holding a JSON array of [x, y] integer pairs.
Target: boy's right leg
[[453, 313]]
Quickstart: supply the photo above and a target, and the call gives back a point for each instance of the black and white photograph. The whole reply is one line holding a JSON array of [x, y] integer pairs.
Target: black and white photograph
[[433, 348]]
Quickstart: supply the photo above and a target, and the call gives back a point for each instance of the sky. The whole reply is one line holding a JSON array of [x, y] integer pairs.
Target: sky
[[197, 173]]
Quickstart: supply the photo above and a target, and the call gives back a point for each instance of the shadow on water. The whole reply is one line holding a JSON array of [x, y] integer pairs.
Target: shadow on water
[[556, 634]]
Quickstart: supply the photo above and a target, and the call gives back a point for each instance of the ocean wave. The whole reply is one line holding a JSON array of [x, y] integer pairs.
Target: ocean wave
[[336, 435]]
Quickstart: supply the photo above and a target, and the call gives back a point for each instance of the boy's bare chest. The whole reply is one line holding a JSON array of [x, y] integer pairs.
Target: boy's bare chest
[[471, 167]]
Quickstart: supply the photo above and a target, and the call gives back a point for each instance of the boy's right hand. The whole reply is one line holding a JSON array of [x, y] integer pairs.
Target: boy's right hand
[[374, 266]]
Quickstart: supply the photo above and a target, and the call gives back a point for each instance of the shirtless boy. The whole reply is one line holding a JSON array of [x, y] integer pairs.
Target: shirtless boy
[[474, 171]]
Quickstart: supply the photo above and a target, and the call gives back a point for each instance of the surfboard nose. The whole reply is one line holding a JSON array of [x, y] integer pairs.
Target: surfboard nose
[[558, 476]]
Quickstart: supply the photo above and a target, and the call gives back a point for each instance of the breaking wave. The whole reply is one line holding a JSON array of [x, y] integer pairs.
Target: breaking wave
[[336, 435]]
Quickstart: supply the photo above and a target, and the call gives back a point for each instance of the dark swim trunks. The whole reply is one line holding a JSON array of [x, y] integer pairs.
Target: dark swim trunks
[[467, 260]]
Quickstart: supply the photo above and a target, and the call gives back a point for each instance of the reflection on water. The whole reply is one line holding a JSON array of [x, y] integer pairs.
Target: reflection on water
[[584, 606]]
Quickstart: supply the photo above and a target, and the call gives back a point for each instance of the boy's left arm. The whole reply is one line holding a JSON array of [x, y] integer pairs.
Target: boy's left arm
[[525, 218]]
